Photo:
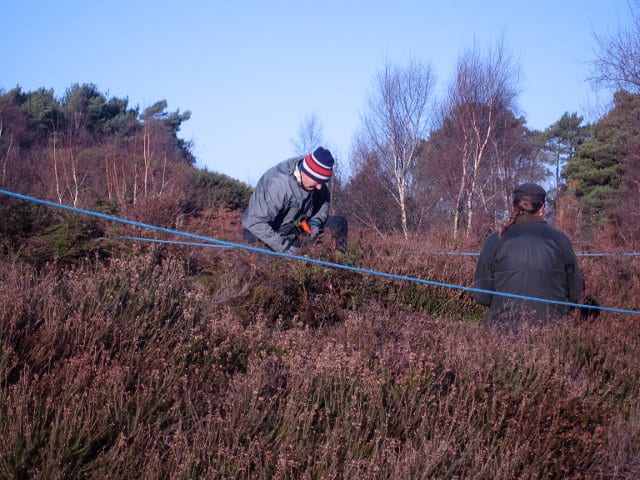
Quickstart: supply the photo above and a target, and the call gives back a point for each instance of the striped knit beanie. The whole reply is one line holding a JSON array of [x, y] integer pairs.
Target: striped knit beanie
[[318, 165]]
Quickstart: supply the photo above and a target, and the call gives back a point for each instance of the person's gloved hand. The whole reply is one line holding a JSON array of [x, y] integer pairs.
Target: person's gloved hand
[[294, 246], [314, 225]]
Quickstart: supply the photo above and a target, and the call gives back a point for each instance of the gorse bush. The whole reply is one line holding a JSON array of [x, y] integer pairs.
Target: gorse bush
[[171, 362], [212, 190]]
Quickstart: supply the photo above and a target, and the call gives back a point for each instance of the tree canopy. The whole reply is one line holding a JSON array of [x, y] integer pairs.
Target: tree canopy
[[86, 147], [605, 170]]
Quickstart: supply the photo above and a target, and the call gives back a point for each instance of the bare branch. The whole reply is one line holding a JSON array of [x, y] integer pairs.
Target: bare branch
[[617, 64], [484, 86], [398, 119], [309, 135]]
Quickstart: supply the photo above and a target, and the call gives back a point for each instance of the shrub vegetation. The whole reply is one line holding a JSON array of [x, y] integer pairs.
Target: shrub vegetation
[[169, 361]]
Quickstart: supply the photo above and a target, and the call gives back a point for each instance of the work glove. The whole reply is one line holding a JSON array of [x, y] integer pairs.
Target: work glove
[[314, 227], [294, 246]]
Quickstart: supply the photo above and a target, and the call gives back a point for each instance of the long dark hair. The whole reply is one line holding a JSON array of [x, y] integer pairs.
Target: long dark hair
[[520, 207]]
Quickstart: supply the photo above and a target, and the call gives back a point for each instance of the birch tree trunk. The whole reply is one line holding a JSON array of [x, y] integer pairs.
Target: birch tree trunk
[[482, 87], [396, 125]]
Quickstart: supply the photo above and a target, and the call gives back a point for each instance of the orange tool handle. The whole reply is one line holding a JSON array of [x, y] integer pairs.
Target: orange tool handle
[[305, 226]]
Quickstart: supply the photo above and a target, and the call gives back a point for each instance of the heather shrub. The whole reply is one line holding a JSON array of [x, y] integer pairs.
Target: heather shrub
[[112, 348], [19, 218], [169, 361]]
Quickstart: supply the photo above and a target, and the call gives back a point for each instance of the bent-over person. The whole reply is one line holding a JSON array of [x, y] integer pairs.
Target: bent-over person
[[292, 200]]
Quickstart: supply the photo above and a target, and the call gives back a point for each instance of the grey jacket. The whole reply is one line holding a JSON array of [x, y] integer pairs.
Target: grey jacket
[[531, 259], [279, 202]]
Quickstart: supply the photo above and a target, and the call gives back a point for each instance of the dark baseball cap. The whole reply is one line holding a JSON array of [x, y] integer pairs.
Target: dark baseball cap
[[530, 191]]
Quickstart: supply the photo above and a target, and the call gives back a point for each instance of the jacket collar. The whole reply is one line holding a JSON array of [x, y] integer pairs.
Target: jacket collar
[[529, 217], [296, 173]]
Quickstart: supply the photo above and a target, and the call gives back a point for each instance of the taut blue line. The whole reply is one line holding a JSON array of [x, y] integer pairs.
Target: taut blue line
[[305, 259], [476, 254], [173, 242]]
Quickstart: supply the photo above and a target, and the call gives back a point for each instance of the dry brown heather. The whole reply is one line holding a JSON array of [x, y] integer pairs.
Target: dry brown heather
[[179, 363]]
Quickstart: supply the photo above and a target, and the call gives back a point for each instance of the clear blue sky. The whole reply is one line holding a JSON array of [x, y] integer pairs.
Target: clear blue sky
[[250, 71]]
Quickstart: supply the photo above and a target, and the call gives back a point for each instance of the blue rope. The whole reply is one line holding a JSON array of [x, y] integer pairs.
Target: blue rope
[[173, 242], [213, 242], [630, 254], [475, 254]]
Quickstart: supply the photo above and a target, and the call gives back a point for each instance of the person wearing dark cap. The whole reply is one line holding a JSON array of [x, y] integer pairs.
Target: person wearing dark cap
[[292, 199], [527, 257]]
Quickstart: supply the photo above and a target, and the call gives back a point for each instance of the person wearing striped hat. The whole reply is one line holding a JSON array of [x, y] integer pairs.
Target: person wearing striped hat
[[292, 200]]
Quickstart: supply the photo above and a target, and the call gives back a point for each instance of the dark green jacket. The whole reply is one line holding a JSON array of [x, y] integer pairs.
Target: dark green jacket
[[531, 259]]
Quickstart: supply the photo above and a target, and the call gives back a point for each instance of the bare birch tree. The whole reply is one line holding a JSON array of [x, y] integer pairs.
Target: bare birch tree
[[12, 129], [617, 64], [482, 88], [309, 135], [367, 197], [397, 122]]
